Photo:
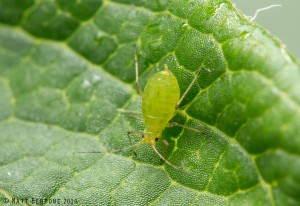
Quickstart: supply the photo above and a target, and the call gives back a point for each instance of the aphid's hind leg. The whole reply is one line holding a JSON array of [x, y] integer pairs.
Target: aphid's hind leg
[[137, 73], [189, 88], [131, 113], [175, 124]]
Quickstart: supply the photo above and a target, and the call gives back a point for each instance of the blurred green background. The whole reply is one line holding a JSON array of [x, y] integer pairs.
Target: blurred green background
[[283, 22]]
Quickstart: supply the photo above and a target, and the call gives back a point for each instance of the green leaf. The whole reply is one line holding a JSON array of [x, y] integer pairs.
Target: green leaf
[[67, 68]]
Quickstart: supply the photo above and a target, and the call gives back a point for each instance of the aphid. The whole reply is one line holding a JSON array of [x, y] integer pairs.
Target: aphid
[[160, 102]]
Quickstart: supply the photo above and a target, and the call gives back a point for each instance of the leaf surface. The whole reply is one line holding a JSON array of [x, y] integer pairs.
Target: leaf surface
[[67, 70]]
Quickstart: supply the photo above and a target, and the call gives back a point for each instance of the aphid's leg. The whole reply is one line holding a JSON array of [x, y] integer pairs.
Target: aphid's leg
[[137, 73], [130, 141], [175, 124], [131, 113], [189, 88]]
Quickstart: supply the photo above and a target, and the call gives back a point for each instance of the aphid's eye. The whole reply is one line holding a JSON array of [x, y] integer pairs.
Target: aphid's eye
[[156, 139], [143, 136]]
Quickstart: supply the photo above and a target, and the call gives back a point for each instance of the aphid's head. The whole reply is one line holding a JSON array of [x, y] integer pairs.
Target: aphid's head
[[149, 138]]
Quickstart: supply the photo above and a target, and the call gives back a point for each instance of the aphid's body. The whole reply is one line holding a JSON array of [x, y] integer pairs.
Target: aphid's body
[[160, 102], [161, 94]]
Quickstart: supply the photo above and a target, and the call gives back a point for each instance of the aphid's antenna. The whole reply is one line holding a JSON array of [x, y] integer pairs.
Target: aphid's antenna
[[126, 148], [169, 163], [157, 152], [92, 152], [117, 150], [189, 88], [166, 161], [263, 9], [137, 72]]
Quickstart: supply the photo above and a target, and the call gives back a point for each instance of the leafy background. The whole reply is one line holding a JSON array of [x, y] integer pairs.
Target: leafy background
[[278, 20], [67, 67]]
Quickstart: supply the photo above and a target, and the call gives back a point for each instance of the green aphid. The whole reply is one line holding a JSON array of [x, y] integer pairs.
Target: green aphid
[[161, 94], [160, 102]]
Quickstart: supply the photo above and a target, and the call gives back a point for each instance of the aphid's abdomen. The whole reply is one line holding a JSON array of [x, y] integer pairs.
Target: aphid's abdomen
[[160, 96]]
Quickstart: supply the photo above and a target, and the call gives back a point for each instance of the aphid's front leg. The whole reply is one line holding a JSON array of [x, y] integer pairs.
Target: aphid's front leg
[[175, 124], [130, 140], [137, 73], [189, 88]]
